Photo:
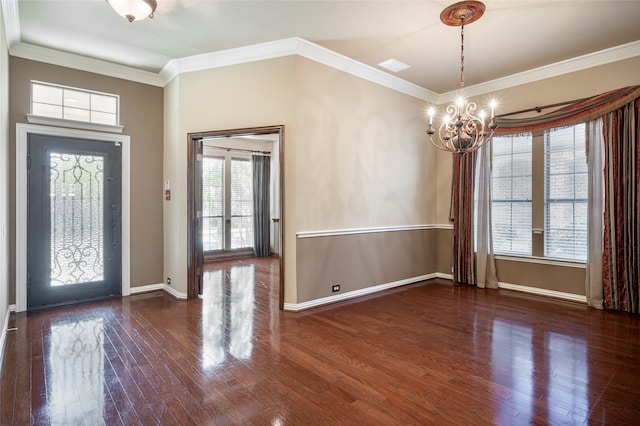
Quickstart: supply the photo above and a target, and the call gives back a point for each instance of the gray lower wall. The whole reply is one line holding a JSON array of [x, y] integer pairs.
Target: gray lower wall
[[565, 279], [358, 261]]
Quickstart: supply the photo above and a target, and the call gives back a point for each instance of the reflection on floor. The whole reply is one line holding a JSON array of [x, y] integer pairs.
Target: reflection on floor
[[428, 353], [227, 304]]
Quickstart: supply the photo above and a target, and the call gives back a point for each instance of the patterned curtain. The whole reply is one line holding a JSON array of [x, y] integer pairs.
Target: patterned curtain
[[621, 259], [462, 214], [261, 165]]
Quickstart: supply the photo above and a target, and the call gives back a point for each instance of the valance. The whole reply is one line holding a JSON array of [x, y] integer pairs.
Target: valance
[[581, 111]]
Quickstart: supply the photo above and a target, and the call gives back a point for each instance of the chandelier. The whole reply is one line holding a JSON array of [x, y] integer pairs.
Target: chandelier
[[134, 10], [463, 129]]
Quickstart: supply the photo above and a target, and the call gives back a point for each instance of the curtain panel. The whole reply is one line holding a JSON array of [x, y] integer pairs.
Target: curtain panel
[[261, 167], [485, 261], [621, 259], [595, 207], [462, 213]]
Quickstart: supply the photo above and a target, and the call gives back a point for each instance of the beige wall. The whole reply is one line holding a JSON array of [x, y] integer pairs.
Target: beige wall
[[141, 115], [355, 157], [557, 89], [249, 95], [362, 162], [362, 158], [4, 181]]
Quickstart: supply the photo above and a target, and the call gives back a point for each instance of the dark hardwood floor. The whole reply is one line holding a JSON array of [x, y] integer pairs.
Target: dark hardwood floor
[[429, 353]]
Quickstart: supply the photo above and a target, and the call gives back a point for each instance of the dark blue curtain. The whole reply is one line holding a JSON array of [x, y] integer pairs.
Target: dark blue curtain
[[261, 212]]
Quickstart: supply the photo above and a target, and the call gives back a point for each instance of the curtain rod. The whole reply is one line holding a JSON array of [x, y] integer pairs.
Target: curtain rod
[[540, 108], [239, 150]]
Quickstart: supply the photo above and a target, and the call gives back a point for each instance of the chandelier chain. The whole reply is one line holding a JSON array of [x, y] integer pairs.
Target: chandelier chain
[[462, 58]]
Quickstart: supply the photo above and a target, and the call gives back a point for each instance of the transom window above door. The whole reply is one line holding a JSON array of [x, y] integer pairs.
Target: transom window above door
[[51, 103]]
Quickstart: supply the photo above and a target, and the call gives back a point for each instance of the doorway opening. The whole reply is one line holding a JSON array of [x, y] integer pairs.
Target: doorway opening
[[235, 206]]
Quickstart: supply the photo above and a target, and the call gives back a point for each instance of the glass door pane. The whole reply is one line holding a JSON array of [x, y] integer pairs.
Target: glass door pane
[[213, 203], [241, 204]]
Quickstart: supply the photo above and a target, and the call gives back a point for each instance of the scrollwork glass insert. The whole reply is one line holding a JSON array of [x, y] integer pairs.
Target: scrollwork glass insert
[[77, 228]]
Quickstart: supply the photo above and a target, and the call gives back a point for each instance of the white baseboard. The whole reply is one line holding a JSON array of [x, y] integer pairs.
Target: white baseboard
[[155, 287], [146, 288], [544, 292], [175, 293], [295, 307], [3, 337], [532, 290]]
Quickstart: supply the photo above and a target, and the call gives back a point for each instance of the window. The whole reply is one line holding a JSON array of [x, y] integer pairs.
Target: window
[[69, 103], [565, 201], [511, 194], [227, 202], [539, 191]]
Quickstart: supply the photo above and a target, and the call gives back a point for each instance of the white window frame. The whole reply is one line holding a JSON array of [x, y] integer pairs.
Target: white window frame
[[62, 122]]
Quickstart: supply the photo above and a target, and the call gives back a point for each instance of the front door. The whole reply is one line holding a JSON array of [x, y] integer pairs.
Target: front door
[[74, 220]]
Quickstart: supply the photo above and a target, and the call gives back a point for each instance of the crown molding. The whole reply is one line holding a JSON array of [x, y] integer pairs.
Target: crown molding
[[83, 63], [288, 47], [227, 57], [11, 22], [579, 63], [343, 63], [301, 47]]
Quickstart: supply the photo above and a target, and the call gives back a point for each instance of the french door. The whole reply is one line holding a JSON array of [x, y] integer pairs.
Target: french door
[[74, 220], [227, 203]]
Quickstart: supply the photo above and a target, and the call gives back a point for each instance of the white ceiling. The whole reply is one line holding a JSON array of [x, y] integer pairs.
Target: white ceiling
[[513, 36]]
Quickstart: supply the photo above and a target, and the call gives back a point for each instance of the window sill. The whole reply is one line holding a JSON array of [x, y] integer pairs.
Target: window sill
[[542, 261], [59, 122]]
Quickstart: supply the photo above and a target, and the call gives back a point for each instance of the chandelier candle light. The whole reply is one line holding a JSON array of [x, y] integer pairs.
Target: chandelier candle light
[[462, 131]]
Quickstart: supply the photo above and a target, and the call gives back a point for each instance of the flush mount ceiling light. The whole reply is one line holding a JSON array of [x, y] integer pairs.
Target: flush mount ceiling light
[[462, 130], [134, 10]]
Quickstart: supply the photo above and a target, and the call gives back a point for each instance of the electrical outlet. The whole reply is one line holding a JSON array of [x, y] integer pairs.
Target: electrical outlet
[[335, 288], [168, 281]]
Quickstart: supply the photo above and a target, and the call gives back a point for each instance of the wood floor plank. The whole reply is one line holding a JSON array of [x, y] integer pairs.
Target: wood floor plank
[[426, 353]]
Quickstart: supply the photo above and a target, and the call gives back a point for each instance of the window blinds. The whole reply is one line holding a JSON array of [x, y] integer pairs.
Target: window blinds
[[212, 203], [511, 194], [566, 186]]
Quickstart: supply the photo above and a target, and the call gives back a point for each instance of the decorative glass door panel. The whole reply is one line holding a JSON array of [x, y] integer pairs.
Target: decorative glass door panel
[[74, 247], [77, 228]]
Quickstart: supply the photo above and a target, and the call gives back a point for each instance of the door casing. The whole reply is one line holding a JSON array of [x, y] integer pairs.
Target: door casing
[[22, 132], [194, 244]]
